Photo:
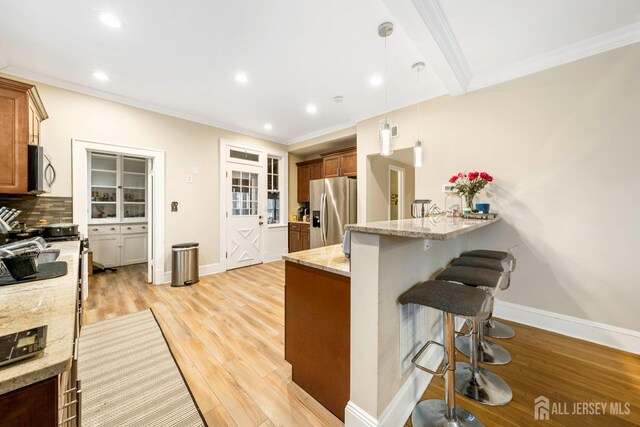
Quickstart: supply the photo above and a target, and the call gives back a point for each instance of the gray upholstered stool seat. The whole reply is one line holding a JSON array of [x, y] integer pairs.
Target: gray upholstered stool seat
[[472, 380], [472, 276], [492, 328], [485, 253], [450, 297], [477, 262]]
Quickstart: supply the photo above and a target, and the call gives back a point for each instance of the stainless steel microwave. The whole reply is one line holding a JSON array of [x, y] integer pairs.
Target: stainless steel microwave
[[36, 170]]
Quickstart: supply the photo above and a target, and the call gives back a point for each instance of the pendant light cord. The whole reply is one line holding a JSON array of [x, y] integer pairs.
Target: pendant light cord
[[386, 80]]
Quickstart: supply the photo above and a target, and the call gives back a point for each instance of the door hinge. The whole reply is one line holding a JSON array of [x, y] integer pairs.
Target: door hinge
[[226, 214], [226, 174], [226, 255]]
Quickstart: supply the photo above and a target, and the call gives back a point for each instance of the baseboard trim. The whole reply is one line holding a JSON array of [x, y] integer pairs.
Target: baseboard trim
[[203, 270], [588, 330], [399, 409]]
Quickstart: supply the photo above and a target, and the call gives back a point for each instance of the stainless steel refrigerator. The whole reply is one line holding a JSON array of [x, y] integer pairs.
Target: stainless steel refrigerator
[[333, 205]]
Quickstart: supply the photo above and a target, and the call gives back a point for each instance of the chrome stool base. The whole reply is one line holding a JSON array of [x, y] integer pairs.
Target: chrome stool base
[[495, 329], [488, 352], [484, 387], [432, 413]]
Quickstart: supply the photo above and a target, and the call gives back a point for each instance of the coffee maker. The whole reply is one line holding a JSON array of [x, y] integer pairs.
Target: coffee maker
[[302, 211]]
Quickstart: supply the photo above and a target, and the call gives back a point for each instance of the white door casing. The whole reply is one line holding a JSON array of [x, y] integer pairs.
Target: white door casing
[[244, 215]]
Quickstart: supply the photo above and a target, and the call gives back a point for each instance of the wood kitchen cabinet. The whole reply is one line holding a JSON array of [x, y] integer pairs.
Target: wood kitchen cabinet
[[307, 171], [340, 163], [299, 237], [21, 111]]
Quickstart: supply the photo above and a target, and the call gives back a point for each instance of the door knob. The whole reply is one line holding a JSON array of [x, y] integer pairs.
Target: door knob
[[260, 223]]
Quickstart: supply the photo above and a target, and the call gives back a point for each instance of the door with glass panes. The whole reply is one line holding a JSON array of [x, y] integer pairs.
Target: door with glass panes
[[244, 215]]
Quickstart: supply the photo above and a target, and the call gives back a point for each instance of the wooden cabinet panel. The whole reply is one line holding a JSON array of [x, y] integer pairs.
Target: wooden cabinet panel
[[331, 166], [316, 170], [21, 112], [33, 405], [317, 333], [305, 237], [294, 238], [134, 248], [304, 175], [106, 249], [349, 164]]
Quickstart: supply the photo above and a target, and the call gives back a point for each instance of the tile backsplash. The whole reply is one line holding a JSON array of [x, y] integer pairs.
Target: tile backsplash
[[35, 208]]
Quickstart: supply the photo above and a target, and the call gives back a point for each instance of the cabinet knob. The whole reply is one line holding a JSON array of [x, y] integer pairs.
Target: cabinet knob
[[94, 229], [144, 227], [128, 228], [113, 228]]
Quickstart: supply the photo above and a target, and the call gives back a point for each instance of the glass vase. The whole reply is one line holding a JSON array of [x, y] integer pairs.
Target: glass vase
[[469, 200]]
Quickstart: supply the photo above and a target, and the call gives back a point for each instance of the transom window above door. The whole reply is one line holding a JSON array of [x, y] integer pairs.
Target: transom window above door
[[244, 193]]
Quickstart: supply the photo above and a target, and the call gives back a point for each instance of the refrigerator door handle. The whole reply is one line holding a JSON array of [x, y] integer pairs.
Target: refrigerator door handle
[[323, 218]]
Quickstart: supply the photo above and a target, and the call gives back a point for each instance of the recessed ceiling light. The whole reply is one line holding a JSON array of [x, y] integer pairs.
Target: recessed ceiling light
[[312, 109], [375, 80], [99, 75], [268, 126], [242, 78], [110, 20]]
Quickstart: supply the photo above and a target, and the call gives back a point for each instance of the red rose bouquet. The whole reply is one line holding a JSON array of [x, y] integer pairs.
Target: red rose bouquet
[[469, 184]]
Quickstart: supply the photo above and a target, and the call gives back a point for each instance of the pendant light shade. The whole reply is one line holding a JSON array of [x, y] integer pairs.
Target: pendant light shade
[[384, 135], [384, 138], [417, 154]]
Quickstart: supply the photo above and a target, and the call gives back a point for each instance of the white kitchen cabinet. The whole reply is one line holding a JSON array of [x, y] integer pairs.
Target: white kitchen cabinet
[[134, 248], [106, 249], [114, 245]]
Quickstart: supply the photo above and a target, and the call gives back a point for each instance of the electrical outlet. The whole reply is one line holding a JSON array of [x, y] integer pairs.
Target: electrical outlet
[[195, 170], [189, 179]]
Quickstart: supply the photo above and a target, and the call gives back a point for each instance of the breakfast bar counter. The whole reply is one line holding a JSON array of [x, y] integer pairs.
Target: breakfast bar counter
[[387, 259]]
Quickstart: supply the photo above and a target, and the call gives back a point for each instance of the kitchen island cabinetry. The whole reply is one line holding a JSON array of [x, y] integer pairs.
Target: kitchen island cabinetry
[[21, 111], [317, 324]]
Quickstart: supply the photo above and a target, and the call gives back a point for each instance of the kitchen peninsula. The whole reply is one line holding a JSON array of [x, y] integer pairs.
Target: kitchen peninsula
[[387, 258]]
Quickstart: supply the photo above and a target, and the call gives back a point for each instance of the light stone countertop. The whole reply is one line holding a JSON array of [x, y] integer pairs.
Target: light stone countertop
[[434, 228], [49, 302], [328, 258]]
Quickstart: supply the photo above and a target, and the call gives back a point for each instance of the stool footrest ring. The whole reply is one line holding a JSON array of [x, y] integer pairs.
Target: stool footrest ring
[[424, 348]]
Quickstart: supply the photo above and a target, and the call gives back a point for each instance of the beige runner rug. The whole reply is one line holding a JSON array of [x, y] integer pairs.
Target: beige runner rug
[[130, 378]]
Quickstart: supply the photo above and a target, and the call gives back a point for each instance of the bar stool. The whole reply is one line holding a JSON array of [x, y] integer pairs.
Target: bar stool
[[478, 383], [493, 328], [453, 300]]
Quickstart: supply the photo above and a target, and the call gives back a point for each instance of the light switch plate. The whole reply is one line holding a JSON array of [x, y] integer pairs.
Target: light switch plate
[[189, 179]]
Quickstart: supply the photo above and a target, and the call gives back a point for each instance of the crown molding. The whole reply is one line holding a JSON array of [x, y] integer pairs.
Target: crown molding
[[320, 132], [434, 17], [601, 43], [37, 77]]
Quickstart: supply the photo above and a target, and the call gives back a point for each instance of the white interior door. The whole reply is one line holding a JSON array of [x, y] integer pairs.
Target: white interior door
[[244, 215]]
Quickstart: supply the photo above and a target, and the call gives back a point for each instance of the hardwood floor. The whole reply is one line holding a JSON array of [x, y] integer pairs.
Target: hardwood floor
[[227, 334], [564, 370]]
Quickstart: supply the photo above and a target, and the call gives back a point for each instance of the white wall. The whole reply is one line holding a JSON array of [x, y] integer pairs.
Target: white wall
[[563, 146], [186, 144]]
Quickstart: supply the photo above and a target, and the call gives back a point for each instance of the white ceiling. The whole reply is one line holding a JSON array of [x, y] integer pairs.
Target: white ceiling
[[180, 58]]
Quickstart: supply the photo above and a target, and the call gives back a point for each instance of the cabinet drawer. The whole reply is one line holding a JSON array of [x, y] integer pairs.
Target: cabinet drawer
[[97, 230], [304, 228], [134, 228], [294, 226]]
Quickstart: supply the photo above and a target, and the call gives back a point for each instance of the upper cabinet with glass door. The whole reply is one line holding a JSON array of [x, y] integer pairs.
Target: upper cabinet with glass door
[[117, 188], [103, 188], [134, 189]]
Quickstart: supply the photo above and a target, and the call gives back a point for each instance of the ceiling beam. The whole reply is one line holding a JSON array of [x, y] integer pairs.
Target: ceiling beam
[[426, 25]]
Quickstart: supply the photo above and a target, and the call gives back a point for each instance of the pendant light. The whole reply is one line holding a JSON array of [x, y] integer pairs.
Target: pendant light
[[417, 148], [384, 136]]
